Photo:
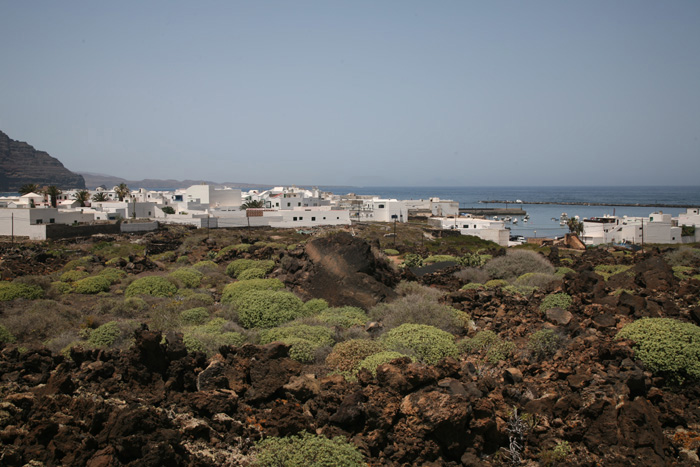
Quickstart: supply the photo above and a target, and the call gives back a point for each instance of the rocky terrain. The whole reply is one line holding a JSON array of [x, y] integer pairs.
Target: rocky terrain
[[589, 402], [21, 164]]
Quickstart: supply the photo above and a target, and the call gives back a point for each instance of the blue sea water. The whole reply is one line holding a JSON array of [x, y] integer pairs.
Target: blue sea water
[[541, 223]]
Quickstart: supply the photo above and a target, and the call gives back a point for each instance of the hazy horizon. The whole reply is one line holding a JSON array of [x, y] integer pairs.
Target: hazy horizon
[[359, 94]]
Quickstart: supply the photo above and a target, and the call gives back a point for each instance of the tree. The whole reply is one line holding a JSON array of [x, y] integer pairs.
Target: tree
[[122, 191], [82, 196], [168, 210], [252, 204], [28, 188], [52, 192], [575, 226], [100, 196]]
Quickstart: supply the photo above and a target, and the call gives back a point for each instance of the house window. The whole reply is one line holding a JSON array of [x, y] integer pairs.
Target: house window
[[52, 221], [39, 221], [298, 204], [289, 204], [381, 206], [313, 219], [295, 218], [301, 218], [324, 218]]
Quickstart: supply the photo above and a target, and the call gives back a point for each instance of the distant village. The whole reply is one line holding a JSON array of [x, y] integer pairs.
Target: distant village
[[52, 213]]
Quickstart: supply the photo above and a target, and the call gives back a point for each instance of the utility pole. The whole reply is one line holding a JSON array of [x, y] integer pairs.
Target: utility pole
[[642, 234], [13, 229]]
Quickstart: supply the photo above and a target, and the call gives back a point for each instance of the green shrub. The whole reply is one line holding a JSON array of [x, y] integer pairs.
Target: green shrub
[[317, 335], [427, 343], [494, 348], [112, 275], [233, 292], [683, 256], [168, 256], [556, 300], [683, 272], [207, 338], [344, 317], [267, 308], [314, 306], [237, 266], [61, 287], [515, 263], [406, 288], [346, 356], [13, 290], [306, 450], [194, 316], [391, 252], [609, 270], [182, 260], [473, 260], [6, 336], [78, 263], [205, 265], [232, 249], [666, 346], [192, 343], [91, 285], [420, 310], [412, 260], [473, 286], [496, 283], [115, 261], [535, 279], [252, 273], [621, 291], [544, 343], [566, 260], [563, 271], [441, 259], [151, 285], [301, 350], [524, 290], [188, 277], [371, 362], [105, 335], [73, 275]]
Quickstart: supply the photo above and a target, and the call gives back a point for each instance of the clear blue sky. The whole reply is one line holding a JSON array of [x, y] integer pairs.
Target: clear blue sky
[[359, 92]]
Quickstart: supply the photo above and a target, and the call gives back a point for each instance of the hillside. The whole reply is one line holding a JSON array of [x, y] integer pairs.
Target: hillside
[[21, 164], [93, 180], [187, 347]]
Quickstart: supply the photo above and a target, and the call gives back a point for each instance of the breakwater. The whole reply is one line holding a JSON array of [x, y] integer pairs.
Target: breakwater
[[493, 211], [580, 203]]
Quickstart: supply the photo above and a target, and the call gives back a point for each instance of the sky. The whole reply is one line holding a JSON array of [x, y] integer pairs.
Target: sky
[[363, 93]]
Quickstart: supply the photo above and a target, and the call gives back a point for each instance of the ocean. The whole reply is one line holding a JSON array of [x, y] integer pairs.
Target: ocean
[[540, 223]]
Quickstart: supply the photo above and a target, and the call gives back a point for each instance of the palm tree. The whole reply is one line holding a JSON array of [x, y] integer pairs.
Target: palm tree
[[100, 196], [252, 204], [82, 196], [122, 191], [28, 188], [53, 191]]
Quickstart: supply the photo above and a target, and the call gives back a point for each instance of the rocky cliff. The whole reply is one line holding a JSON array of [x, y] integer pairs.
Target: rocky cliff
[[20, 164]]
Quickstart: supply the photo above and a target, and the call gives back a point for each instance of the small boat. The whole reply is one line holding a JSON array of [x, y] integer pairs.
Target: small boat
[[515, 220], [563, 216], [562, 222], [507, 219], [554, 219]]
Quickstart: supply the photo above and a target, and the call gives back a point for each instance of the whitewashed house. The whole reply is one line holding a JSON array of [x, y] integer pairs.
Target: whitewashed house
[[486, 229]]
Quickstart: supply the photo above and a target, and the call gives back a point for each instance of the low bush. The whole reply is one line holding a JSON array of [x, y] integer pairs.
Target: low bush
[[252, 273], [92, 285], [167, 256], [609, 270], [6, 336], [205, 265], [60, 288], [372, 362], [112, 275], [301, 350], [441, 259], [194, 316], [232, 250], [155, 286], [187, 277], [563, 271], [405, 288], [314, 306], [426, 343], [489, 344], [667, 347], [343, 317], [469, 275], [417, 309], [83, 263], [683, 256], [556, 300], [536, 279], [267, 308], [182, 260], [317, 335], [237, 266], [496, 283], [473, 286], [683, 272], [524, 290], [73, 275], [13, 290], [105, 335], [544, 343], [515, 263], [207, 338], [391, 252], [233, 292], [306, 450], [473, 260], [346, 356]]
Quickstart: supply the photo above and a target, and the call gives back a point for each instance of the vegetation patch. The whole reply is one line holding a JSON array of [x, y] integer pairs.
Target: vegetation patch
[[267, 308], [194, 316], [314, 306], [6, 336], [667, 347], [344, 317], [544, 343], [155, 286], [306, 450], [426, 343], [188, 277], [92, 285], [113, 275], [609, 270], [13, 290], [515, 263], [237, 266], [233, 293], [440, 259], [416, 309], [391, 252], [105, 335], [318, 335], [372, 362], [473, 286], [489, 344], [556, 300], [73, 275], [346, 356]]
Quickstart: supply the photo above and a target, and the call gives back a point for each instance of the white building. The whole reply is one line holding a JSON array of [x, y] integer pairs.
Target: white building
[[485, 229], [28, 222], [283, 218], [658, 227], [432, 207]]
